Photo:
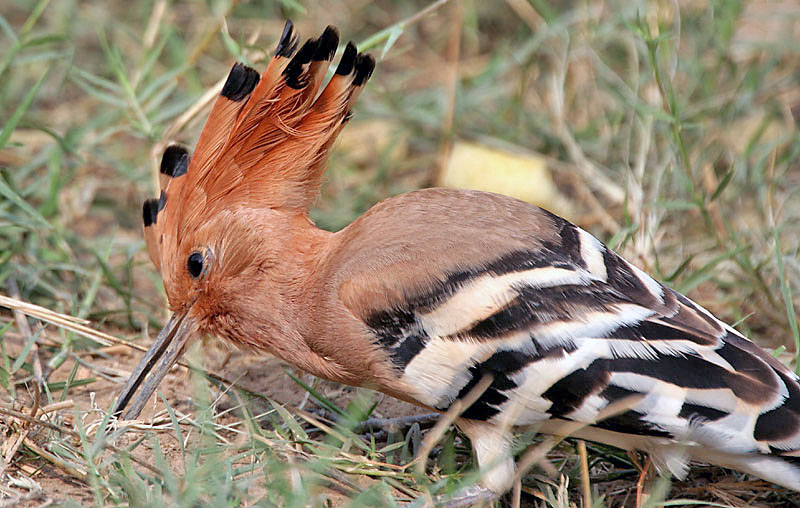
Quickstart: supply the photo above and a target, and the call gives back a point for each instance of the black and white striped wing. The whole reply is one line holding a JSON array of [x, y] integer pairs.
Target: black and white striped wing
[[565, 330]]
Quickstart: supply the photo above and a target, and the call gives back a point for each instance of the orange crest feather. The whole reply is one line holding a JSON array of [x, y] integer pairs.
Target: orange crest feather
[[265, 143]]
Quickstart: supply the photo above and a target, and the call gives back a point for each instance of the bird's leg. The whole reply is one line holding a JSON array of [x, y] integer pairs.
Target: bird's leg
[[493, 452], [474, 495], [492, 447], [640, 482]]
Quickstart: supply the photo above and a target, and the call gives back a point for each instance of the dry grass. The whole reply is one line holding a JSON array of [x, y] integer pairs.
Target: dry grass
[[671, 127]]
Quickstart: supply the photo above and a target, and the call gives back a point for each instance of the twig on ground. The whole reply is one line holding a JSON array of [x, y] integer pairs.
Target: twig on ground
[[42, 423]]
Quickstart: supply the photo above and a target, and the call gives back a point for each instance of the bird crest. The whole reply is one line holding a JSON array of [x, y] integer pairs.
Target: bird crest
[[265, 143]]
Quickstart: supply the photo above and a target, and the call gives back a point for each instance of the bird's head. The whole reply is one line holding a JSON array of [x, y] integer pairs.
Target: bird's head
[[225, 222]]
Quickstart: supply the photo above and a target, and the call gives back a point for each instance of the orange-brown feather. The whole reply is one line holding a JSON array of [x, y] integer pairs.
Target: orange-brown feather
[[275, 158], [150, 215], [332, 110], [264, 146], [265, 87]]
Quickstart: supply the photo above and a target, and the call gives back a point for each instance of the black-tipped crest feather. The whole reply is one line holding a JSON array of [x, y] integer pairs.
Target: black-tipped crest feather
[[327, 44], [290, 99], [288, 43], [240, 83], [293, 73], [175, 161], [150, 212], [348, 60], [365, 64]]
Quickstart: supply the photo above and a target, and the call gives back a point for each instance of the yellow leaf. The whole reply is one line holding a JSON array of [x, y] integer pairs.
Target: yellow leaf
[[526, 177]]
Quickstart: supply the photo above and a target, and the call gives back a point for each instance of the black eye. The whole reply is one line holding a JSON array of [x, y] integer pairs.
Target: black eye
[[195, 264]]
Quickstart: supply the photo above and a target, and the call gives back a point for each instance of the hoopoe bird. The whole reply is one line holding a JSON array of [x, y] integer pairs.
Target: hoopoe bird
[[433, 293]]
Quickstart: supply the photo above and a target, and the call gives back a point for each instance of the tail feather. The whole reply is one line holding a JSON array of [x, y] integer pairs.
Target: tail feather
[[784, 471]]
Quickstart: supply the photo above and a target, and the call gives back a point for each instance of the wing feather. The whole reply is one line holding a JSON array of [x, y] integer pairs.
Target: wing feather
[[566, 327]]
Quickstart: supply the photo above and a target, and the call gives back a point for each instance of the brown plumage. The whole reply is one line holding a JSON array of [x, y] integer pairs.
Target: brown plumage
[[431, 292]]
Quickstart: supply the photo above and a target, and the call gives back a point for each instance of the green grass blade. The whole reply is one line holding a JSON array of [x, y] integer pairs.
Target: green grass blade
[[19, 112]]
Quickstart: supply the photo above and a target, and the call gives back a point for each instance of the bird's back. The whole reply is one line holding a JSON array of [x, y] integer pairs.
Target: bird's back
[[453, 286]]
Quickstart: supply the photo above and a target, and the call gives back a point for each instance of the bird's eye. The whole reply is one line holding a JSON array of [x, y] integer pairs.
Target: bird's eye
[[195, 264]]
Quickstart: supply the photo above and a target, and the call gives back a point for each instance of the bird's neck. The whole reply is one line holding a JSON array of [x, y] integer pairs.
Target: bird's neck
[[287, 302], [280, 315], [301, 260], [326, 341]]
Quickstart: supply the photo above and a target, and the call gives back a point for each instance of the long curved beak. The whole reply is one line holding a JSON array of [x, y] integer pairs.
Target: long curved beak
[[162, 355]]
